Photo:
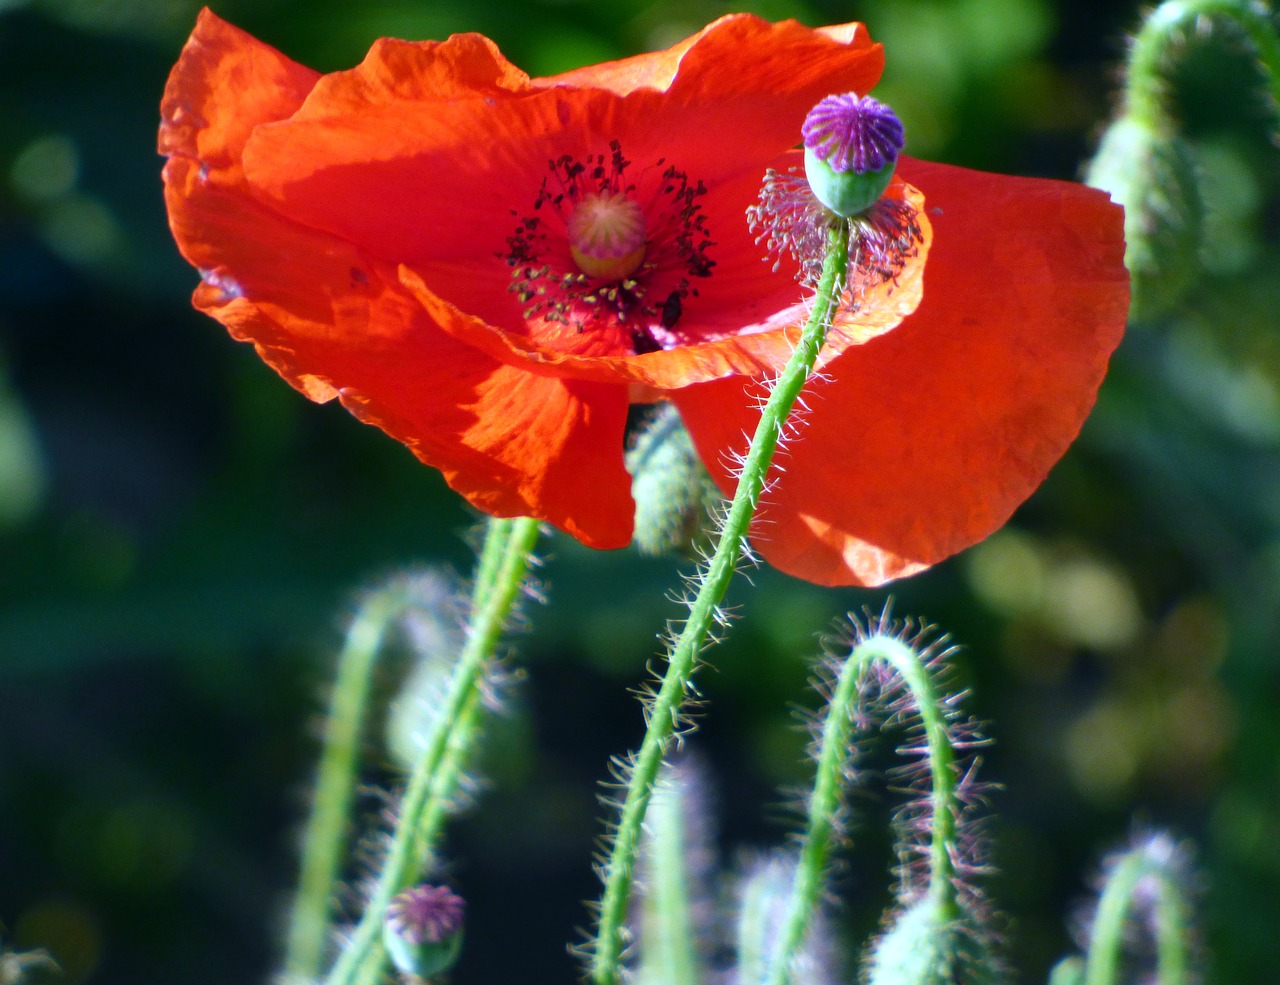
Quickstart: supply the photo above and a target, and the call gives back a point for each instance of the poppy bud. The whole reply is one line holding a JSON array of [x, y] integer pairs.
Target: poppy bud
[[926, 946], [674, 493], [1151, 172], [423, 930], [851, 145]]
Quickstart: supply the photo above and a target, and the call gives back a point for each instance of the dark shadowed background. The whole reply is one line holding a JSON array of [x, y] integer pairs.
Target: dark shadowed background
[[182, 535]]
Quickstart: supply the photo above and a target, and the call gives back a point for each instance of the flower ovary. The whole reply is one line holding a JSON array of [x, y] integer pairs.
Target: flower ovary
[[606, 235]]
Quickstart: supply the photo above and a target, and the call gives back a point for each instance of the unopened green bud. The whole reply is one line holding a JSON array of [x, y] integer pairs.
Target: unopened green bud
[[423, 930], [925, 947], [1151, 171], [674, 493]]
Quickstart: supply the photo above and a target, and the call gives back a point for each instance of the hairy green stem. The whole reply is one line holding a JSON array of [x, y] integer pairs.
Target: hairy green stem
[[503, 565], [325, 836], [1145, 89], [1107, 938], [670, 952], [832, 772], [665, 711]]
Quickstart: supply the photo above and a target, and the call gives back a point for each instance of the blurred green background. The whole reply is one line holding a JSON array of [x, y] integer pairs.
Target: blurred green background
[[182, 535]]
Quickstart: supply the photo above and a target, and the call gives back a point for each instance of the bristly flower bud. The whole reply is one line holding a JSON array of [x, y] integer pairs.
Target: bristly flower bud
[[423, 930], [851, 145], [926, 946], [1150, 170], [675, 495]]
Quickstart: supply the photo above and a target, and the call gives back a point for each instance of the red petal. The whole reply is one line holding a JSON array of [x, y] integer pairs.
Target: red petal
[[926, 439], [751, 316], [226, 82], [334, 321], [657, 69], [421, 154]]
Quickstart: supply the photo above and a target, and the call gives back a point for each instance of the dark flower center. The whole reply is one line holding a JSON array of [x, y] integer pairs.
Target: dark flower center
[[598, 252]]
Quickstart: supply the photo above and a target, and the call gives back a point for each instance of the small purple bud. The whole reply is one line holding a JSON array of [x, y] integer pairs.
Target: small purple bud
[[853, 133], [423, 929]]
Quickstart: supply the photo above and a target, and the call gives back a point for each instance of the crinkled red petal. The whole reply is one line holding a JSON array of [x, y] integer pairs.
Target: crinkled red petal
[[924, 440], [334, 320], [422, 155]]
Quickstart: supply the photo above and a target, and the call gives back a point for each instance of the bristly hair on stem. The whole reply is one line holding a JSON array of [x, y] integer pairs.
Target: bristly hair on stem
[[876, 675], [1140, 927], [665, 713], [501, 582]]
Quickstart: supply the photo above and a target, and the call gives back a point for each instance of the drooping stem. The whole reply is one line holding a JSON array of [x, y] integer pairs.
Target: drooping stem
[[1147, 870], [503, 565], [1145, 88], [664, 714], [325, 836], [832, 773]]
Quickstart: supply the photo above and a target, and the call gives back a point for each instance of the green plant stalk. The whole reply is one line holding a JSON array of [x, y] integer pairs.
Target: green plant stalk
[[670, 954], [497, 535], [1107, 937], [1172, 919], [753, 932], [1145, 89], [437, 773], [942, 873], [664, 713], [819, 837], [325, 835]]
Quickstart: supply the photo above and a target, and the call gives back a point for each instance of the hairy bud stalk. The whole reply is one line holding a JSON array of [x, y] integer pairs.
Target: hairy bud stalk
[[677, 861], [896, 673], [1146, 888], [413, 600], [1145, 163]]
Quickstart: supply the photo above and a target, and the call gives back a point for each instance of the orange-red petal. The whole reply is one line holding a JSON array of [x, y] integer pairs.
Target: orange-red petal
[[421, 155], [225, 84], [751, 317], [334, 320], [924, 440]]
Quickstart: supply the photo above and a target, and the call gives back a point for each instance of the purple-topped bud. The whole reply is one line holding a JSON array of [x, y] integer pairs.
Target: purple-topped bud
[[853, 133], [423, 929], [851, 145]]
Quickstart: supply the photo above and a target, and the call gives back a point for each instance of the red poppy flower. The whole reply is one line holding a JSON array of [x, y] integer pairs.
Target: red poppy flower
[[492, 267]]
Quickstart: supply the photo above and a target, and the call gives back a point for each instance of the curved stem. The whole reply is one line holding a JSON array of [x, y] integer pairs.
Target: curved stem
[[833, 757], [1145, 91], [436, 776], [1142, 865], [665, 711]]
